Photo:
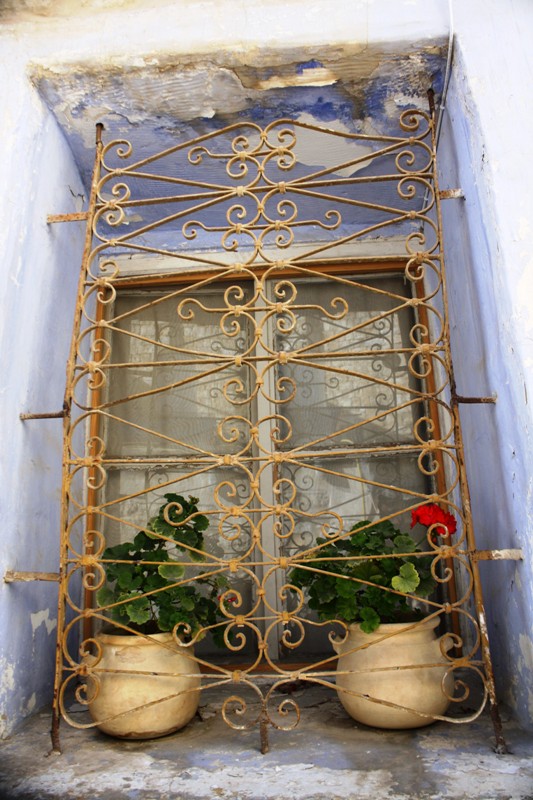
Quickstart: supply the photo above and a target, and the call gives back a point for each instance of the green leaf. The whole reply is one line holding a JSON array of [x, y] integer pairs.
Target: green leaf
[[125, 574], [384, 603], [159, 554], [345, 588], [389, 566], [171, 571], [404, 543], [188, 603], [201, 523], [358, 540], [365, 570], [119, 551], [160, 526], [150, 527], [370, 620], [407, 580], [154, 581], [326, 593], [426, 585], [139, 610], [144, 542], [168, 617], [362, 524], [105, 596]]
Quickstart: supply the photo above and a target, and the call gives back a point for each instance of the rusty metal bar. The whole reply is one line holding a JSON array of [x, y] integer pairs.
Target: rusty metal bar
[[95, 424], [459, 398], [440, 478], [77, 216], [263, 732], [13, 576], [431, 101], [71, 364], [46, 415], [498, 555], [452, 194]]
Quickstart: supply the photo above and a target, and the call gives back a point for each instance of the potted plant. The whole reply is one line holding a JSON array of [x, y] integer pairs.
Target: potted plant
[[392, 670], [143, 683]]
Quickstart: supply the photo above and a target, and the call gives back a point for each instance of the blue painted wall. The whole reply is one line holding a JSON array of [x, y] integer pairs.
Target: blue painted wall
[[487, 360], [38, 277]]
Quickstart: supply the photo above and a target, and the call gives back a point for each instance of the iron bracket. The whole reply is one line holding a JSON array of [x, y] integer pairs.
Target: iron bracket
[[451, 194], [459, 398], [75, 217], [498, 555], [12, 576], [47, 414]]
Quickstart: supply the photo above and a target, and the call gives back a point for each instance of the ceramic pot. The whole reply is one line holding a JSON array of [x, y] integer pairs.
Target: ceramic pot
[[173, 674], [403, 681]]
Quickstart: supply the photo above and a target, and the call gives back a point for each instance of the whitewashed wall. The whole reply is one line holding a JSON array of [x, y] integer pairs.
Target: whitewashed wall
[[486, 148], [39, 268]]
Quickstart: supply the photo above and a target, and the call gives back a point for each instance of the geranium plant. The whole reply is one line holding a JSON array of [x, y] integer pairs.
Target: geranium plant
[[350, 578], [147, 577], [432, 516]]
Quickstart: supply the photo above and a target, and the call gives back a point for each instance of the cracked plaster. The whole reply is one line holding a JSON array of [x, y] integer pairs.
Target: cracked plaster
[[327, 757], [172, 98], [43, 618]]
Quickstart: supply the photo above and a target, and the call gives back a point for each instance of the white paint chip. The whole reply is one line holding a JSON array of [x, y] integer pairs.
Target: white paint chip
[[32, 702], [7, 675], [43, 618]]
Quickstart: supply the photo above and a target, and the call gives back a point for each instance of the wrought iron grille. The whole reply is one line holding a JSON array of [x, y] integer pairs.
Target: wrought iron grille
[[248, 381]]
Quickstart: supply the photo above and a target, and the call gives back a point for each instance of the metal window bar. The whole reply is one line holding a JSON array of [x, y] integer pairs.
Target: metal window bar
[[254, 212]]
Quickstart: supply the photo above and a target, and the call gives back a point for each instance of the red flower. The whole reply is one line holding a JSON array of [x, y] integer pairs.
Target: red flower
[[231, 598], [432, 514]]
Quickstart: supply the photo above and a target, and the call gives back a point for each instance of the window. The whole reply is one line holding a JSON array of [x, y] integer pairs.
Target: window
[[317, 366], [244, 340]]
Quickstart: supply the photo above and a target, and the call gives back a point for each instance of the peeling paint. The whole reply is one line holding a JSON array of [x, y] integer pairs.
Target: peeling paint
[[32, 702], [7, 675], [526, 649], [327, 757], [7, 686], [43, 618], [165, 96]]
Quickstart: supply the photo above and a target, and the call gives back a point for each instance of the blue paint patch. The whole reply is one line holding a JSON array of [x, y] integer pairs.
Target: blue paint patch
[[325, 104], [377, 107], [398, 80], [313, 64], [435, 68]]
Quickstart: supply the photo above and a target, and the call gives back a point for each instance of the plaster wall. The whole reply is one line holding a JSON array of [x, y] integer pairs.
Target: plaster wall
[[485, 150], [85, 68], [197, 26], [38, 278]]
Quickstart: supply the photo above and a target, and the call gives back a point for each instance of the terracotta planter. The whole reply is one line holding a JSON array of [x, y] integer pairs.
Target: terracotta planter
[[418, 688], [173, 675]]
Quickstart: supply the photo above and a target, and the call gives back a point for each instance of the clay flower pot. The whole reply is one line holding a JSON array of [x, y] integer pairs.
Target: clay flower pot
[[408, 669], [129, 705]]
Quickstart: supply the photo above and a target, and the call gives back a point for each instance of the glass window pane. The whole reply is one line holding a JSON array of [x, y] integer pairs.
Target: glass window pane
[[180, 380], [349, 376]]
